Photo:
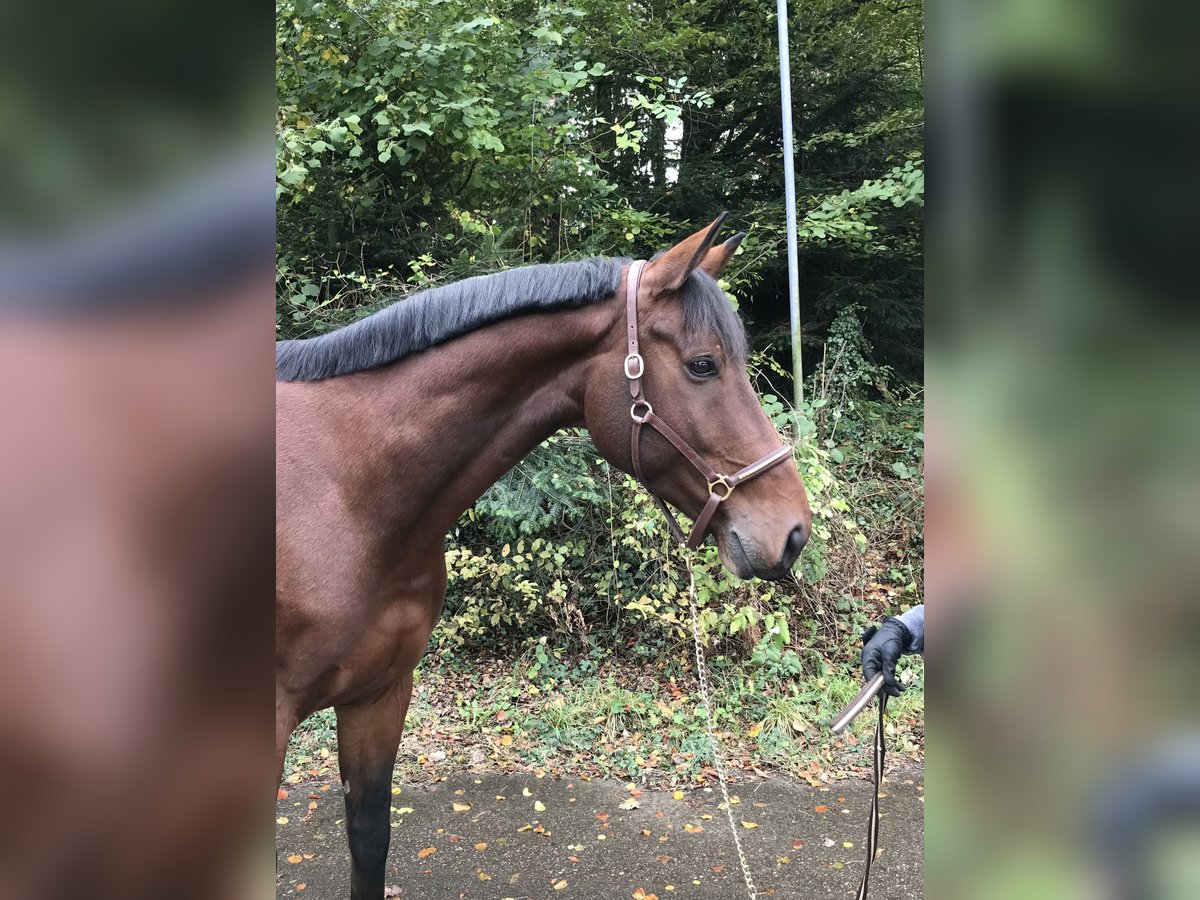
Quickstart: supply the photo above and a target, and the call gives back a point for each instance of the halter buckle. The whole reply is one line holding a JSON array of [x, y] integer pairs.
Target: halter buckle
[[720, 481], [641, 420], [641, 366]]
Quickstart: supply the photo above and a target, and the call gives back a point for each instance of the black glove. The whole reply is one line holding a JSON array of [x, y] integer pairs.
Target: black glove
[[882, 649]]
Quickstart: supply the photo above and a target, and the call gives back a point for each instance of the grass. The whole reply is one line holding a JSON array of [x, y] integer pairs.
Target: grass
[[624, 718]]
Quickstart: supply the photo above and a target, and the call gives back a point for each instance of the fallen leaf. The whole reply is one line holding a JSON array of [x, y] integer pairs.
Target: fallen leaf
[[428, 851], [282, 795], [822, 808], [746, 824], [678, 795], [539, 806], [629, 804], [797, 844], [718, 869], [506, 741], [404, 810], [282, 820], [663, 858], [526, 792], [849, 845], [295, 858], [560, 885], [482, 845], [461, 807], [694, 829], [484, 876]]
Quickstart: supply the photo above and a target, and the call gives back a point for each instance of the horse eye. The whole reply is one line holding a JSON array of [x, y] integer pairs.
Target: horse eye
[[703, 367]]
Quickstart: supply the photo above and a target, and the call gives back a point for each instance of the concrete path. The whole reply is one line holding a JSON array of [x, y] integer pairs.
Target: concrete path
[[523, 837]]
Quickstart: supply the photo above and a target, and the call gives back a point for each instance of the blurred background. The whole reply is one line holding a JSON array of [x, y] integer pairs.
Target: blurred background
[[136, 437], [1064, 467]]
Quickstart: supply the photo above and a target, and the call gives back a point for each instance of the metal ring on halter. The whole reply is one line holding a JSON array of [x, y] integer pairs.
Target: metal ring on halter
[[641, 366], [721, 482], [641, 420]]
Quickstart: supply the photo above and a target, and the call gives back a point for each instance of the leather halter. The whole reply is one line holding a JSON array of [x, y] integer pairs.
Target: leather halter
[[719, 486]]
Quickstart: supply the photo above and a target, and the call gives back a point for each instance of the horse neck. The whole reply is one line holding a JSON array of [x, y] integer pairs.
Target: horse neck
[[446, 424]]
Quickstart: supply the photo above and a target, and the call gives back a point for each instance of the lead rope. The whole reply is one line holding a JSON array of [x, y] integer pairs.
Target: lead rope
[[702, 675], [873, 824], [877, 756]]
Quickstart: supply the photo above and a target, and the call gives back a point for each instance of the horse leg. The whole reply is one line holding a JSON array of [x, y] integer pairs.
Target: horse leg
[[368, 738]]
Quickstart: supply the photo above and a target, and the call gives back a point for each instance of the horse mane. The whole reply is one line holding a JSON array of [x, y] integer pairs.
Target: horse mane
[[429, 318]]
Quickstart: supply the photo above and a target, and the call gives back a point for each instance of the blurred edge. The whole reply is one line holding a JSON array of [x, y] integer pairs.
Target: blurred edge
[[1063, 473], [136, 464]]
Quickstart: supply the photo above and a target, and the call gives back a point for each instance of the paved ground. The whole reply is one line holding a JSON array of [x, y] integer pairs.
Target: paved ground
[[572, 839]]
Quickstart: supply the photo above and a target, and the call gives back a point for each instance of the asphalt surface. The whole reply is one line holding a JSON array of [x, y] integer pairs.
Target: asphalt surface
[[550, 838]]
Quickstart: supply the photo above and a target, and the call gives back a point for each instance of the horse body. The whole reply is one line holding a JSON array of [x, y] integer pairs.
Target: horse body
[[374, 467]]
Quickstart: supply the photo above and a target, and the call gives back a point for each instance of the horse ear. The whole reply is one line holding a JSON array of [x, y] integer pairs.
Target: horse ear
[[718, 257], [669, 271]]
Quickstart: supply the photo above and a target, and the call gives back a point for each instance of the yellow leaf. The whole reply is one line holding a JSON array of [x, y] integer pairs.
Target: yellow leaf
[[678, 795], [506, 741], [395, 791], [560, 885], [461, 807], [849, 845], [403, 810], [754, 730], [282, 820], [539, 805], [484, 876], [746, 824], [295, 858], [526, 792]]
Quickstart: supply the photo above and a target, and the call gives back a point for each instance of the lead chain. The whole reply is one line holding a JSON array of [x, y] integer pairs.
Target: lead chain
[[702, 675]]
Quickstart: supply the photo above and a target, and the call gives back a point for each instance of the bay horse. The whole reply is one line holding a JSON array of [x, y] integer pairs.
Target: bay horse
[[390, 428]]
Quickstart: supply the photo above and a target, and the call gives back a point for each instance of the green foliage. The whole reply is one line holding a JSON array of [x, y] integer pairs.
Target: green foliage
[[419, 142]]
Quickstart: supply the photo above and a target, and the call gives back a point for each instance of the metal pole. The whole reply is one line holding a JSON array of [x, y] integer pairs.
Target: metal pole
[[789, 183]]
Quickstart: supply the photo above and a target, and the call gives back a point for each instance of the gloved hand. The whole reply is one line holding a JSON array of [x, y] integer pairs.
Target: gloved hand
[[882, 649]]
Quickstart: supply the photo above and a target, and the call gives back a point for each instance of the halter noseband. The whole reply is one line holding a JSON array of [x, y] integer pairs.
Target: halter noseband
[[719, 486]]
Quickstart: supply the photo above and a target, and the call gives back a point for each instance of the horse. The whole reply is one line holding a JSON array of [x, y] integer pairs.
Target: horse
[[387, 430]]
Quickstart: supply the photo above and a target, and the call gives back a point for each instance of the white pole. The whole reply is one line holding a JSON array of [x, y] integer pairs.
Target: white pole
[[789, 183]]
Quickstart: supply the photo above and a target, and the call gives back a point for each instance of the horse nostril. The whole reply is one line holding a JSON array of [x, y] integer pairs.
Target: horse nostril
[[795, 543]]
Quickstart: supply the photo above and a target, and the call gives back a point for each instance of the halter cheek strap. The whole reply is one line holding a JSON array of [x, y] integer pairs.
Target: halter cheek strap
[[642, 413]]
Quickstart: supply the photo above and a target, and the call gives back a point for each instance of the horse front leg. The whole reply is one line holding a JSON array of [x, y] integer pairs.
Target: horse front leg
[[368, 738]]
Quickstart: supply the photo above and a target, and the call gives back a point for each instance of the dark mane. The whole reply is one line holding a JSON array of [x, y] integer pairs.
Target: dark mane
[[433, 317], [706, 310]]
